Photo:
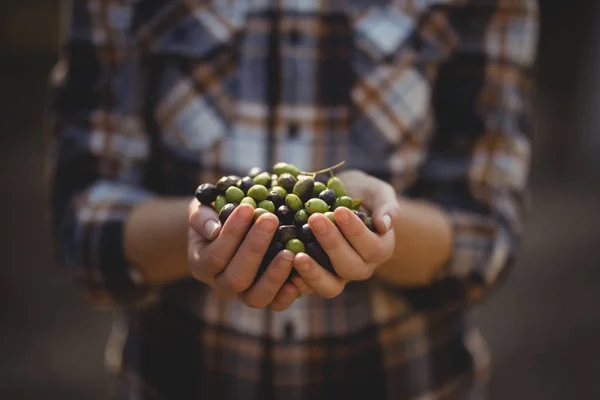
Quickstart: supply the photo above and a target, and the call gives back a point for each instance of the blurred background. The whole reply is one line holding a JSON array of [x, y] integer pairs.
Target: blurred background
[[543, 325]]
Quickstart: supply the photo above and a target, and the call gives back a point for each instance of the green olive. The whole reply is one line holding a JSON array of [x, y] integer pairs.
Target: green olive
[[329, 214], [282, 192], [282, 168], [319, 187], [343, 201], [234, 194], [248, 200], [287, 181], [267, 205], [263, 178], [337, 186], [316, 206], [293, 202], [258, 192], [295, 246], [301, 217], [304, 187], [220, 201], [258, 212]]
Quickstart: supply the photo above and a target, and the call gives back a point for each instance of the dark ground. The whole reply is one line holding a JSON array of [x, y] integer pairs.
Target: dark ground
[[543, 325]]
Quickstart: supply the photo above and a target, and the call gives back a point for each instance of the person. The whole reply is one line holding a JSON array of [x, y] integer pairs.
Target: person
[[427, 102]]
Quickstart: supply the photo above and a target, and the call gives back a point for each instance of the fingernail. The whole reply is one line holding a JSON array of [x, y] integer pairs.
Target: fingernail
[[246, 212], [341, 217], [267, 225], [287, 255], [210, 227], [301, 266], [387, 221], [318, 225]]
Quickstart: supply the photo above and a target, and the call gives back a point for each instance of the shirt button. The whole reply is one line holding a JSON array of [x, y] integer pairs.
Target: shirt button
[[293, 131], [295, 36], [288, 331]]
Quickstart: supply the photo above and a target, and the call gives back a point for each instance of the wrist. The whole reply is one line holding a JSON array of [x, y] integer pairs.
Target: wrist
[[155, 239]]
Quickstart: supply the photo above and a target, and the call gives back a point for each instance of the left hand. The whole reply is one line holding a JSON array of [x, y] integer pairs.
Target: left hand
[[353, 249]]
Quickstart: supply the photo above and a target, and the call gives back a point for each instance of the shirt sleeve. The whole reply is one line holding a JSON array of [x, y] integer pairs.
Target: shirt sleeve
[[478, 161], [98, 149]]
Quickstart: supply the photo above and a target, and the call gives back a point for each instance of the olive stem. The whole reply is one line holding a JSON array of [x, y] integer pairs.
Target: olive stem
[[330, 170]]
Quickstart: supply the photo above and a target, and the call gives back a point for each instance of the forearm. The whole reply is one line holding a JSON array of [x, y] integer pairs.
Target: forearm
[[155, 239], [423, 245]]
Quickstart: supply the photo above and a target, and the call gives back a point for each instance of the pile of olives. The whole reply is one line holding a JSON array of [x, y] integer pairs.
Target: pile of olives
[[292, 195]]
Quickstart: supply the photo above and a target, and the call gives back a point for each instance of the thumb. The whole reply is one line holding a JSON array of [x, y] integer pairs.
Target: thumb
[[205, 221], [381, 199]]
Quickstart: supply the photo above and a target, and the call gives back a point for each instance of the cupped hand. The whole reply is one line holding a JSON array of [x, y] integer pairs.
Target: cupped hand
[[227, 257], [355, 252]]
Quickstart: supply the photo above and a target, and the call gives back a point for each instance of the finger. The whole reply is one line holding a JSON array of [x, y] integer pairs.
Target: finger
[[382, 200], [264, 291], [242, 269], [204, 220], [346, 261], [324, 283], [285, 297], [371, 247], [302, 287], [214, 257]]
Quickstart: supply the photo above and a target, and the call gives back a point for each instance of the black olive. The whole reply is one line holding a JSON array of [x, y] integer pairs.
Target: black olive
[[306, 234], [320, 256], [285, 215], [245, 184], [286, 233], [328, 196], [225, 183], [361, 215], [274, 248], [226, 212], [207, 193], [276, 198]]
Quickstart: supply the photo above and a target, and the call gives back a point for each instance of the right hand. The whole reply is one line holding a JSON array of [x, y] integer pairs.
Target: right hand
[[227, 257]]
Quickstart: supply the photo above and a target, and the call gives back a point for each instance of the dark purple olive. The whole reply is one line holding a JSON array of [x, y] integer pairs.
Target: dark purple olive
[[287, 181], [320, 256], [328, 196], [274, 248], [226, 212], [322, 177], [306, 234], [361, 215], [245, 184], [285, 215], [369, 224], [225, 182], [207, 193], [254, 171], [276, 198], [285, 233]]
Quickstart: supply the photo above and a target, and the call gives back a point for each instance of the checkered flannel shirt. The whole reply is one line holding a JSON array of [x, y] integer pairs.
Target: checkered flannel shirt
[[150, 98]]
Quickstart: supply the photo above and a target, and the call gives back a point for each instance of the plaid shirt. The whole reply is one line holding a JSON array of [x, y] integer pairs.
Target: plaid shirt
[[151, 98]]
